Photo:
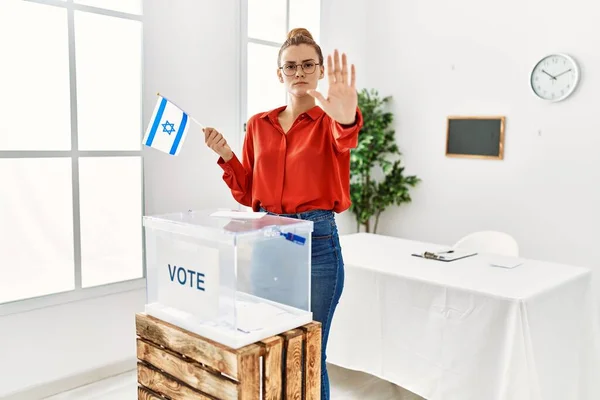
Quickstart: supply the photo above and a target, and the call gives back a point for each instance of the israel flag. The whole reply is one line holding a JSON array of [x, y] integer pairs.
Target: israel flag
[[167, 128]]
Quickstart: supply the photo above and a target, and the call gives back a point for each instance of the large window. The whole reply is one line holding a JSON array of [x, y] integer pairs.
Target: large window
[[71, 196], [267, 23]]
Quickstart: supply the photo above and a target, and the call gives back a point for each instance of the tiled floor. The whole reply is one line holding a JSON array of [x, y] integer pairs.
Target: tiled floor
[[345, 385]]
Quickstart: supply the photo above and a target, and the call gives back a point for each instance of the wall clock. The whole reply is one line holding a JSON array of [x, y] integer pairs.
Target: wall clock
[[555, 77]]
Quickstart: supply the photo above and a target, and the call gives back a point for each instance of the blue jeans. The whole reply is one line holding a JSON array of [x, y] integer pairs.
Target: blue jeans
[[327, 277]]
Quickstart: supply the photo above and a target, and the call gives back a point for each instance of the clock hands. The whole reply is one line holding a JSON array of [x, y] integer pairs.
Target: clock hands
[[553, 77], [564, 72]]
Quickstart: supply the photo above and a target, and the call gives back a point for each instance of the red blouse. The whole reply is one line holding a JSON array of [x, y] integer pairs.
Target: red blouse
[[308, 168]]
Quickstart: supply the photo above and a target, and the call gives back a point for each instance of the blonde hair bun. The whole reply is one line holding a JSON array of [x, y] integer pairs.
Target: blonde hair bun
[[299, 32]]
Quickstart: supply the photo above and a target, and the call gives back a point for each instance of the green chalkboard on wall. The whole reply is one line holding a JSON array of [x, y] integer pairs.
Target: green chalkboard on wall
[[475, 137]]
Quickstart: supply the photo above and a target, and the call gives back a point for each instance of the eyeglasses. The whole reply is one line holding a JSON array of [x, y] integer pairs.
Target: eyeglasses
[[290, 69]]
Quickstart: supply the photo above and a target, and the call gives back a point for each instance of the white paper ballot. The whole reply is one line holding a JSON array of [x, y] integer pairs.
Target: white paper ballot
[[238, 214]]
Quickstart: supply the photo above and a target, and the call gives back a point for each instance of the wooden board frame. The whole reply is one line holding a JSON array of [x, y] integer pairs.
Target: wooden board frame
[[502, 120]]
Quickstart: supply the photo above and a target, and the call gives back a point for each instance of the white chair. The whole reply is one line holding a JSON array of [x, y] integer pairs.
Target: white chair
[[492, 242]]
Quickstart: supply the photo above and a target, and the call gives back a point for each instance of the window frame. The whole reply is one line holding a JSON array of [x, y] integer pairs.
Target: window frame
[[80, 293], [245, 40]]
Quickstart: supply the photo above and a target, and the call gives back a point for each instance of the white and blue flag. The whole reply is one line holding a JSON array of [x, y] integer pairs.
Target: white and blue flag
[[167, 128]]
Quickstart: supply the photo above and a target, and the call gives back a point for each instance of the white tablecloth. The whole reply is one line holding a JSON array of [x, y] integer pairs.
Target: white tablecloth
[[465, 330]]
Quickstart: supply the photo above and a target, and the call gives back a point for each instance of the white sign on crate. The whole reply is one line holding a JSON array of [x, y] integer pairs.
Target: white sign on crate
[[188, 277]]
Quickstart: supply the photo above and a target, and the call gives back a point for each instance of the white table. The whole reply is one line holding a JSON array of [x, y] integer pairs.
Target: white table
[[465, 330]]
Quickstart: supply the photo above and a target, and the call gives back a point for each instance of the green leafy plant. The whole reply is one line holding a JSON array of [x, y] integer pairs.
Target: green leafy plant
[[377, 178]]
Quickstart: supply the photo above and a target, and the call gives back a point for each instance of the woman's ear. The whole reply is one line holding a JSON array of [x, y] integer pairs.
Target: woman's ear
[[279, 75]]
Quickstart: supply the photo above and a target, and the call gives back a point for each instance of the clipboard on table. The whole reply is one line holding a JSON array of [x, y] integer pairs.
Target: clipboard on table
[[445, 255]]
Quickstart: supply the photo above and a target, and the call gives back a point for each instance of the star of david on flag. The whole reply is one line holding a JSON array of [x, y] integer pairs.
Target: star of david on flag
[[167, 128]]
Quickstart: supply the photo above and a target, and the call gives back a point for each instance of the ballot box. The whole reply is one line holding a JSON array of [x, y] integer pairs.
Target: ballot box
[[233, 277]]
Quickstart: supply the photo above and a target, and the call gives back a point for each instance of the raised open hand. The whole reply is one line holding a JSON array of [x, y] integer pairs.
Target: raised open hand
[[342, 99]]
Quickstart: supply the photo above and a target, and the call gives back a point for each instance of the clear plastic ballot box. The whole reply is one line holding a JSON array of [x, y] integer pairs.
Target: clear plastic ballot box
[[232, 277]]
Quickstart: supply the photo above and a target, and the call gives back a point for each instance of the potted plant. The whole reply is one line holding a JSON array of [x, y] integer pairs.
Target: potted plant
[[377, 154]]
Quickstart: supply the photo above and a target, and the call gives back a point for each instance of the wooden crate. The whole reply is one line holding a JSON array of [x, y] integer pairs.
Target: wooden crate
[[174, 363]]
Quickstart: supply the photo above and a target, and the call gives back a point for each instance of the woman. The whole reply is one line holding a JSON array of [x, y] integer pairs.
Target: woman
[[296, 162]]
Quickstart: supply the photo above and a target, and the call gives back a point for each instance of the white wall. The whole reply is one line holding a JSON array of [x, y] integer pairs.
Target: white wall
[[191, 56], [343, 27], [439, 58]]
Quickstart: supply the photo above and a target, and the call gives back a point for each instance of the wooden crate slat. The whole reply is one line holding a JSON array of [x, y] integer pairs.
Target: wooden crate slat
[[272, 369], [188, 344], [312, 361], [147, 394], [249, 360], [161, 383], [187, 372], [293, 364]]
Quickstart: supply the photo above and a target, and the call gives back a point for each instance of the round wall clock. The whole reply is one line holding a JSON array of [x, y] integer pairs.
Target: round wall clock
[[555, 77]]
